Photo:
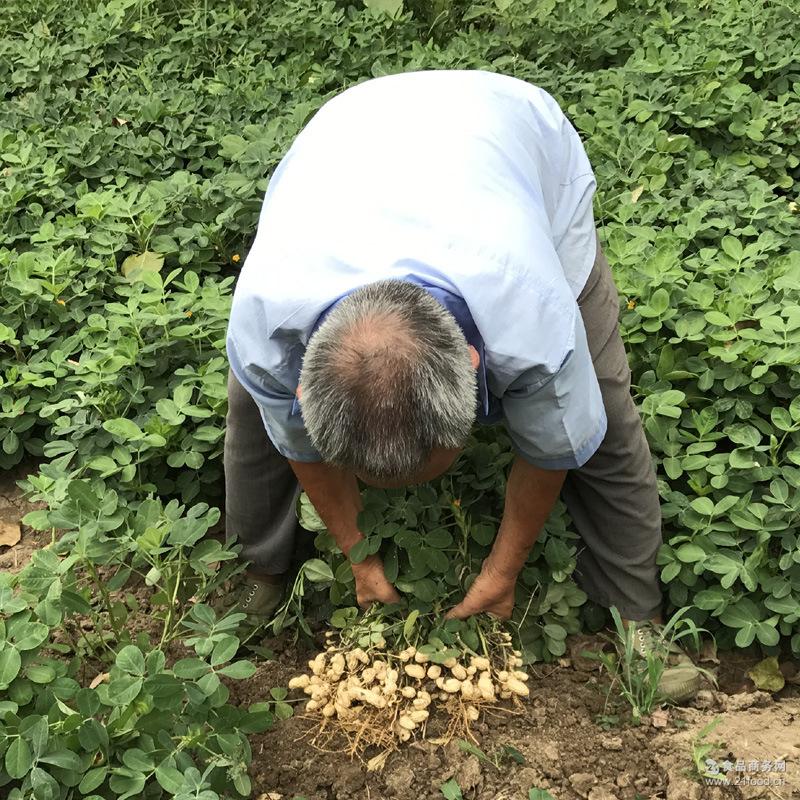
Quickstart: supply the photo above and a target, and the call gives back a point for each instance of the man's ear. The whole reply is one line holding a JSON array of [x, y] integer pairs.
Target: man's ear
[[299, 392], [473, 353]]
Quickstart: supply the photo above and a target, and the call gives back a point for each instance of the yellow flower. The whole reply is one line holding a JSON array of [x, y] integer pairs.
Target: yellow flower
[[236, 258], [188, 313], [631, 305], [61, 302]]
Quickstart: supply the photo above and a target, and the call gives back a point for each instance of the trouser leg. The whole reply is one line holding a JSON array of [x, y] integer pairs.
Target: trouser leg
[[261, 489], [613, 499]]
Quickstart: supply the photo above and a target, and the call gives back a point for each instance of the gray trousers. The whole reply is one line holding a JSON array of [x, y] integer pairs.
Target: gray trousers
[[613, 499]]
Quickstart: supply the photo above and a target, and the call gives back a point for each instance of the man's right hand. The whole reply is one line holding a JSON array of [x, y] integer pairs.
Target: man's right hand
[[337, 499], [371, 583]]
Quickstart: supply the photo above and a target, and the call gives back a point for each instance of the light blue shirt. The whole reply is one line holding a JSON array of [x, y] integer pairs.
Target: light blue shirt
[[471, 184]]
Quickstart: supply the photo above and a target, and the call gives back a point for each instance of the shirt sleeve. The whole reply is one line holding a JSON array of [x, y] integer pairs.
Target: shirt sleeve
[[274, 401], [557, 421]]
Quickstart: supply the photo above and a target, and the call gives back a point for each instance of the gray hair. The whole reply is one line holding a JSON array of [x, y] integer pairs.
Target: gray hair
[[386, 378]]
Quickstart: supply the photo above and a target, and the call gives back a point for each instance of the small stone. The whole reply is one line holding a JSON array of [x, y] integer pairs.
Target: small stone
[[704, 699], [624, 780], [550, 752], [399, 781], [611, 742], [602, 793], [582, 783], [741, 702], [681, 788], [468, 774], [659, 718]]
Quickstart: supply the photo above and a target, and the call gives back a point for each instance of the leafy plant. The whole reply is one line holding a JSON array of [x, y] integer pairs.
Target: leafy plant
[[701, 748], [139, 727], [638, 676], [137, 138], [503, 753]]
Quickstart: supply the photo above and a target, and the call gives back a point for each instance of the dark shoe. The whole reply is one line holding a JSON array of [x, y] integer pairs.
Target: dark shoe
[[259, 598], [255, 597]]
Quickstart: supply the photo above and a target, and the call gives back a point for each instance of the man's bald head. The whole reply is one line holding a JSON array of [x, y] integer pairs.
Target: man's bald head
[[387, 379]]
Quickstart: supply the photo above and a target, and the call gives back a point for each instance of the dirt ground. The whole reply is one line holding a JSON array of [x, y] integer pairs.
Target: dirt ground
[[575, 740], [12, 508], [576, 744]]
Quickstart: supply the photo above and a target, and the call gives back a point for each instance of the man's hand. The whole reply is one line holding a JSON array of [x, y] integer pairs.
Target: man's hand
[[371, 583], [530, 495], [490, 592]]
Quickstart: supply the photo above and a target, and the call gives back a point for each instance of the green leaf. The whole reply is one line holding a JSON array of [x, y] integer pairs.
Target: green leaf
[[44, 785], [65, 759], [131, 660], [741, 614], [718, 318], [137, 760], [437, 560], [142, 262], [240, 670], [343, 617], [732, 247], [124, 428], [93, 736], [359, 551], [440, 538], [659, 302], [425, 590], [123, 691], [746, 635], [689, 553], [186, 532], [767, 634], [92, 779], [190, 668], [102, 464], [317, 571], [125, 783], [224, 650], [242, 784], [408, 625], [555, 632], [767, 675], [703, 505], [10, 663], [483, 533], [169, 778], [19, 759], [390, 8], [40, 673], [37, 731], [451, 790], [540, 794]]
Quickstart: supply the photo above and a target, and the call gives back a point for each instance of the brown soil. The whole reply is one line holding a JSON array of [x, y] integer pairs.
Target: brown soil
[[577, 744], [12, 509]]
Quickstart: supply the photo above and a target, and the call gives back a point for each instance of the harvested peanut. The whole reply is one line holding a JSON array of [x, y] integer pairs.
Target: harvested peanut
[[415, 671]]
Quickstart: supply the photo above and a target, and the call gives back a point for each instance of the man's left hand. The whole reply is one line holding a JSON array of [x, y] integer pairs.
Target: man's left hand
[[490, 592]]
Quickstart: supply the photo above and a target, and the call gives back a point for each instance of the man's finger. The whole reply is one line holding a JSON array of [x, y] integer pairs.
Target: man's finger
[[457, 613]]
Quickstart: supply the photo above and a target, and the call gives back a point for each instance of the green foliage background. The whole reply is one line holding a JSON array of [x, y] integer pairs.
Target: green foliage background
[[152, 126]]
